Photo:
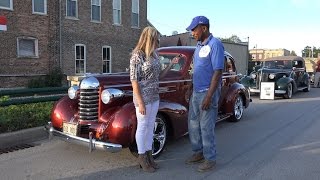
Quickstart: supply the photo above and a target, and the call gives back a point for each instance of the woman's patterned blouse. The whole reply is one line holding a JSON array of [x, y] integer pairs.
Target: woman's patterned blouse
[[146, 72]]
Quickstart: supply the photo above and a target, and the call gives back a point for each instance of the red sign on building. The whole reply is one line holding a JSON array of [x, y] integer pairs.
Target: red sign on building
[[3, 23]]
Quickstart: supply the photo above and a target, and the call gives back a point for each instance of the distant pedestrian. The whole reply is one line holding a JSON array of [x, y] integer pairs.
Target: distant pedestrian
[[208, 64], [317, 74]]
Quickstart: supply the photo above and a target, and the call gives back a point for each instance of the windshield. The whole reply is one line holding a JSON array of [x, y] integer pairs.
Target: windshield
[[277, 64]]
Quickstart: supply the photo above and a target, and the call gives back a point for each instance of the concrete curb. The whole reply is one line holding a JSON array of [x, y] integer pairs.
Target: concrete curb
[[23, 136]]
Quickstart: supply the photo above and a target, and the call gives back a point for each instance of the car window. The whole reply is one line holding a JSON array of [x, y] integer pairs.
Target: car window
[[277, 64], [165, 60], [228, 65], [298, 64]]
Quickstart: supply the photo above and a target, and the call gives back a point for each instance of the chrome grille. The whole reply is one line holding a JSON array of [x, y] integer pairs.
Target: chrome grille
[[88, 105]]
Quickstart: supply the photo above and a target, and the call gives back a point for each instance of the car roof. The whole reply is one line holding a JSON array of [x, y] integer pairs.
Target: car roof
[[284, 58]]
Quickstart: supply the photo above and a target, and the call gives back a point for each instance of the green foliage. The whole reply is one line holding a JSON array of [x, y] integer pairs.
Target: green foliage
[[4, 98], [17, 117], [232, 39], [293, 53], [53, 79], [37, 83], [312, 52]]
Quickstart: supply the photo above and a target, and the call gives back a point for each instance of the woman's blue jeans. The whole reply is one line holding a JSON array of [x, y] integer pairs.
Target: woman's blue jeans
[[201, 124]]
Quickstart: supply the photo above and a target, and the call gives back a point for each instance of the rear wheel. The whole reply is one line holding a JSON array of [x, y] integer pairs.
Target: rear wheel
[[238, 109], [160, 134], [288, 94]]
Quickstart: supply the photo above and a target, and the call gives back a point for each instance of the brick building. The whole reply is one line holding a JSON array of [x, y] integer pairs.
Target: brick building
[[260, 54], [92, 36], [27, 48]]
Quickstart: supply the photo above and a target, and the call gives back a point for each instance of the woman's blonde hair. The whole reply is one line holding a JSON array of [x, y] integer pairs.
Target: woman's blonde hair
[[147, 42]]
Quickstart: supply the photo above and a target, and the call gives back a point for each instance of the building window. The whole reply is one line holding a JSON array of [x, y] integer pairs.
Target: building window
[[135, 13], [27, 47], [96, 10], [72, 8], [6, 4], [106, 59], [80, 58], [117, 11], [39, 6]]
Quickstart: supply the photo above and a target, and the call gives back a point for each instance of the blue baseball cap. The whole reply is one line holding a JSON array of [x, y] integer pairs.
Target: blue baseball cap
[[196, 21]]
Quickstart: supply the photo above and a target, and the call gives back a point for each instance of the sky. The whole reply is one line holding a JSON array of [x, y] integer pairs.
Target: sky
[[269, 24]]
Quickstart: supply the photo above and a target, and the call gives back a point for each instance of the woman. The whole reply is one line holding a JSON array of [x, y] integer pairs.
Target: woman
[[145, 71]]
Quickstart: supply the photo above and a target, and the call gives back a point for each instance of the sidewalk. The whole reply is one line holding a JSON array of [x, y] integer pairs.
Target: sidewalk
[[22, 137]]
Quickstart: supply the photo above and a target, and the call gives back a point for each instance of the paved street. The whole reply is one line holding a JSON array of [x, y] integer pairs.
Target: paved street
[[276, 139]]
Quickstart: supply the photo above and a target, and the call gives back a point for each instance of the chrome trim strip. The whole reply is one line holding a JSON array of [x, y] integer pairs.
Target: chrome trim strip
[[280, 91], [92, 144], [161, 82], [254, 90]]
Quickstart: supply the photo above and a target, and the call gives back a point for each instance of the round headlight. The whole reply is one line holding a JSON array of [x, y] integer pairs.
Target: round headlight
[[253, 75], [73, 91], [108, 95], [272, 76]]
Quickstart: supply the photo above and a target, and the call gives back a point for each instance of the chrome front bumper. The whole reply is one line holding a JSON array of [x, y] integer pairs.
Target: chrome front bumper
[[93, 144], [275, 91]]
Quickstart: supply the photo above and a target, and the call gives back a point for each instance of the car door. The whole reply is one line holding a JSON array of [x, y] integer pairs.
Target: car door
[[229, 76]]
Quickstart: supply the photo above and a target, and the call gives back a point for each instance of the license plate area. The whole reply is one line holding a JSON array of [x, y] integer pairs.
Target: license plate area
[[69, 128]]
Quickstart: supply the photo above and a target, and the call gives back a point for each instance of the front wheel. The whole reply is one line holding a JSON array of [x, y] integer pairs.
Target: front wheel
[[238, 109], [160, 134]]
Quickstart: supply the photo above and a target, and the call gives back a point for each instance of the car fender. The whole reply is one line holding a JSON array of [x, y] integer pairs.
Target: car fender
[[122, 121], [121, 124], [306, 78], [235, 89], [176, 115], [283, 82], [63, 110]]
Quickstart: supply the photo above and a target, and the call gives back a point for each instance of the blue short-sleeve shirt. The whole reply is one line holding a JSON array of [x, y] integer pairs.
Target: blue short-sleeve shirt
[[208, 57]]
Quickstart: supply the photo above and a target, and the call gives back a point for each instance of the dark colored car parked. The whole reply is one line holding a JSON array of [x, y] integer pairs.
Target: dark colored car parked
[[100, 114], [287, 72]]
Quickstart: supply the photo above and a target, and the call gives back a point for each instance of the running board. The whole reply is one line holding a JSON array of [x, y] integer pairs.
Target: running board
[[222, 117], [302, 88]]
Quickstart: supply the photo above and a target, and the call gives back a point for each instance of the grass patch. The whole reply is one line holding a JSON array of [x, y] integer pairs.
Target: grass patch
[[17, 117]]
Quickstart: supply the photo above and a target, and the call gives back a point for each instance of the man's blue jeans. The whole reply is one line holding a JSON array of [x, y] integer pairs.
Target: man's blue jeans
[[201, 124]]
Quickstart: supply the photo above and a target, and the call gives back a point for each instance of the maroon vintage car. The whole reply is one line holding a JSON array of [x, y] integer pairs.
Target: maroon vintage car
[[100, 114]]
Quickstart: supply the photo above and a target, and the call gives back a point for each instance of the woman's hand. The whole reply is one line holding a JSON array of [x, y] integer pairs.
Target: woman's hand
[[142, 109]]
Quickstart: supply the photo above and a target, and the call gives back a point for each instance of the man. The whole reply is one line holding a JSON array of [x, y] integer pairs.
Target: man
[[317, 74], [208, 64]]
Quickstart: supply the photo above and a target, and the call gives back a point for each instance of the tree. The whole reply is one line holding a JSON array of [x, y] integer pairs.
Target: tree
[[309, 51], [293, 53], [232, 39]]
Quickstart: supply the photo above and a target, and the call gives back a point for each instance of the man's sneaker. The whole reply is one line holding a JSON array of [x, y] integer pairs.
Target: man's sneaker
[[206, 166], [195, 158]]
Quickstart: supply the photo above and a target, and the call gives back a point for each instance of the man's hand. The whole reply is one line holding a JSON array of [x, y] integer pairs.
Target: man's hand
[[206, 103]]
